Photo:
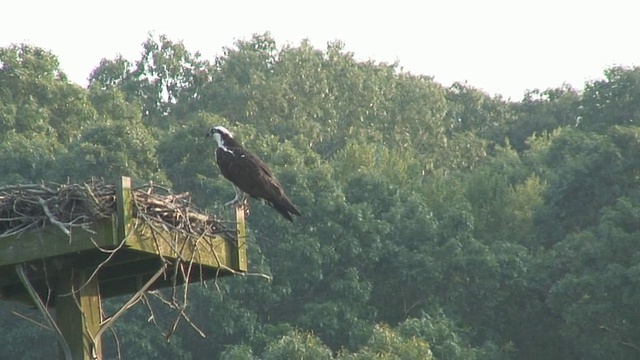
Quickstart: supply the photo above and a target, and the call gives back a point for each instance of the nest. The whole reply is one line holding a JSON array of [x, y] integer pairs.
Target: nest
[[67, 206], [79, 207]]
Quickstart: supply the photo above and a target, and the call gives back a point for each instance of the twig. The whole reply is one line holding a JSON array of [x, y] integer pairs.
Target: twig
[[95, 272], [171, 305], [18, 231], [46, 281], [36, 299], [27, 187], [53, 220], [30, 320], [115, 338], [152, 316], [132, 301], [622, 342], [183, 308]]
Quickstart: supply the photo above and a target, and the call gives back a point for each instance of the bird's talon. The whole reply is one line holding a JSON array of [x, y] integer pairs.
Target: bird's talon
[[246, 208]]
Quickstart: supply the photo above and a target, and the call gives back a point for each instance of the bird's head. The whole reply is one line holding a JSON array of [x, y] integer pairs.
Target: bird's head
[[221, 134]]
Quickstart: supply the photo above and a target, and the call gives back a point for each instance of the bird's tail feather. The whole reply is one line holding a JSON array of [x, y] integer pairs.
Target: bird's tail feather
[[286, 208]]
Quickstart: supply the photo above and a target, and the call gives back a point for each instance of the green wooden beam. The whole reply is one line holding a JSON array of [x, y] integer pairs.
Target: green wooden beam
[[240, 253], [79, 315], [51, 241], [124, 209], [208, 251]]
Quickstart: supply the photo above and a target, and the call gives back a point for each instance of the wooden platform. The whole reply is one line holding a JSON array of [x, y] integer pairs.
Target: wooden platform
[[50, 254], [48, 268]]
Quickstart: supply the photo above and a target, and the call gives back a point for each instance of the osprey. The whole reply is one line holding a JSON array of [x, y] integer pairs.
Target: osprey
[[248, 174]]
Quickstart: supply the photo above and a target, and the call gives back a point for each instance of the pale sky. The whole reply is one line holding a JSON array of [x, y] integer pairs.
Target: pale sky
[[502, 47]]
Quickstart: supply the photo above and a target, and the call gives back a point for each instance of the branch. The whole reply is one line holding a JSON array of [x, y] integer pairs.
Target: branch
[[625, 343], [31, 320], [132, 301], [53, 220], [95, 272], [27, 187], [36, 299]]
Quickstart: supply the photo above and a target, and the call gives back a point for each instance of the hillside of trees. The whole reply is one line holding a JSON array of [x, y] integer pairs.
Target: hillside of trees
[[439, 222]]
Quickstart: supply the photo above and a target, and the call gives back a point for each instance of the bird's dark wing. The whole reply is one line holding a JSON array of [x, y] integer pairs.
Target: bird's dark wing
[[246, 171]]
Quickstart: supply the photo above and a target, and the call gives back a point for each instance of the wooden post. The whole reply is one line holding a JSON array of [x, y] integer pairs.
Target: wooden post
[[79, 314], [241, 251], [123, 201]]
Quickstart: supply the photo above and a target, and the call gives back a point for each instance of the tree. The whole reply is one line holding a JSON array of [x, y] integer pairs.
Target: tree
[[596, 294], [612, 101], [40, 113], [543, 112]]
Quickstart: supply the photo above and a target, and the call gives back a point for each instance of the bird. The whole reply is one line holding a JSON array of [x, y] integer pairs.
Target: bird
[[249, 175]]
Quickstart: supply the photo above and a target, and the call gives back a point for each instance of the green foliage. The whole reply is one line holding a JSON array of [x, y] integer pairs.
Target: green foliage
[[612, 101], [167, 74], [437, 222], [385, 343], [110, 149], [542, 112], [474, 111], [297, 345], [41, 113], [596, 295], [19, 336], [238, 352]]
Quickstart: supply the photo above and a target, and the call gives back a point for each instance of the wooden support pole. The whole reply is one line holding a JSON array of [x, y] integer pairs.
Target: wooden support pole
[[241, 252], [79, 313], [124, 211]]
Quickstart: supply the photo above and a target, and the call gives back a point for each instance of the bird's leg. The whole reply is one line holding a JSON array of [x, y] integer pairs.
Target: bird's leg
[[240, 196], [241, 199]]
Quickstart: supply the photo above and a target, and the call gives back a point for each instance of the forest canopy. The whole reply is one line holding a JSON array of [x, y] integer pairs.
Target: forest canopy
[[439, 222]]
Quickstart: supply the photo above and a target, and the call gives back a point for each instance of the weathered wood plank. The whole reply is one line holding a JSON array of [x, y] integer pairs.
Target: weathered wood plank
[[240, 253], [124, 208], [209, 251], [51, 241], [79, 316]]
